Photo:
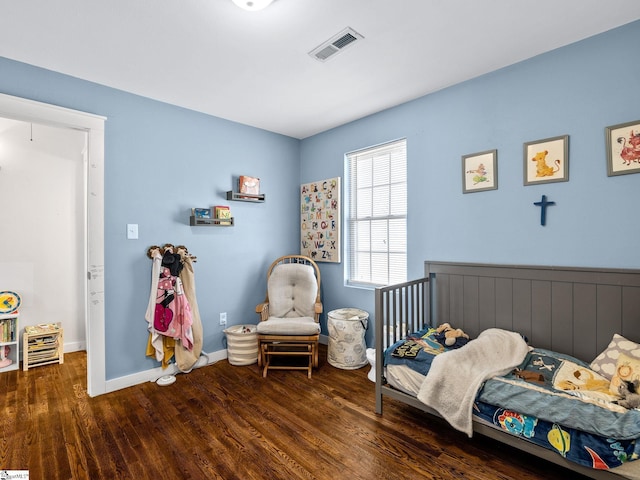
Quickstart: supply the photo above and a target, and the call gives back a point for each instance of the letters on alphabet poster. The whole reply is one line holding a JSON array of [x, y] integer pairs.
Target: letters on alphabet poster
[[320, 220]]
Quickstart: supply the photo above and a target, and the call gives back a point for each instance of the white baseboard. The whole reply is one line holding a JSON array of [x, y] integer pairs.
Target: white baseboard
[[74, 346], [155, 373]]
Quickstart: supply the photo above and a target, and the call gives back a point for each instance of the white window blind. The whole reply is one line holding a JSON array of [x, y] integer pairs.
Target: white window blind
[[377, 218]]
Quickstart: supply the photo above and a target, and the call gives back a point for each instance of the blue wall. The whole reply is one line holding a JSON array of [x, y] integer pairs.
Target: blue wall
[[577, 90], [161, 160]]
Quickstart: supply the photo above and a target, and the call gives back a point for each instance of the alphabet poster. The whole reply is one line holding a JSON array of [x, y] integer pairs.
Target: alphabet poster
[[320, 220]]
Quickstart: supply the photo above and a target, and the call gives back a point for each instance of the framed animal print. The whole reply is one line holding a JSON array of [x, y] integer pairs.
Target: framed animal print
[[623, 148], [480, 171], [546, 160]]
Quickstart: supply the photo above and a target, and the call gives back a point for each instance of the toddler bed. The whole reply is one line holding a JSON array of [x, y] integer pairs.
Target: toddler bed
[[550, 395]]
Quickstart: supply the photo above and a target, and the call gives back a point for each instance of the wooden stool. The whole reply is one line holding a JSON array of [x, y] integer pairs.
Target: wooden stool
[[287, 349]]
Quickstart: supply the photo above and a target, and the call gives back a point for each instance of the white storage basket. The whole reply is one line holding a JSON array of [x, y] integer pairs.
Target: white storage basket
[[347, 348], [242, 344]]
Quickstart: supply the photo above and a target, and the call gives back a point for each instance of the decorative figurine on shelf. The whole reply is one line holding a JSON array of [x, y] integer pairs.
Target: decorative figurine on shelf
[[5, 361]]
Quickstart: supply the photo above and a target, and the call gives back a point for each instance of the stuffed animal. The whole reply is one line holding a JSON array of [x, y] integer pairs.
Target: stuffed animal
[[451, 337], [628, 391], [443, 327]]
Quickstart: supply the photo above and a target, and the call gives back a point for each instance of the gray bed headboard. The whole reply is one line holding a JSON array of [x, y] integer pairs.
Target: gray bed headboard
[[567, 309]]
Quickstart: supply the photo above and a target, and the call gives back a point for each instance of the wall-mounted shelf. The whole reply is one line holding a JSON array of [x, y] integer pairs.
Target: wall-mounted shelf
[[210, 222], [245, 197]]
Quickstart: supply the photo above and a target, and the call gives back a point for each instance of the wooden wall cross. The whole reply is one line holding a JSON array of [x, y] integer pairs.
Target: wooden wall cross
[[543, 204]]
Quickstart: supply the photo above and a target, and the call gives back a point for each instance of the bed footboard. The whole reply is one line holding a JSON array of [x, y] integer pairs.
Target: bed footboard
[[399, 309]]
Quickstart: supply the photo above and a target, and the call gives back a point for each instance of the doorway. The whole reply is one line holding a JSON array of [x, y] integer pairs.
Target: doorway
[[92, 128], [43, 176]]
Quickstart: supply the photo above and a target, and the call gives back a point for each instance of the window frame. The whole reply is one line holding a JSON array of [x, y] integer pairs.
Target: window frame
[[396, 271]]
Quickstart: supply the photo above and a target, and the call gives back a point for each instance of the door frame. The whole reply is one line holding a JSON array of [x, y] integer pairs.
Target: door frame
[[26, 110]]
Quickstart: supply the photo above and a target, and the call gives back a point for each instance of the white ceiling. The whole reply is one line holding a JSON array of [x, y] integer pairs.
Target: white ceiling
[[254, 67]]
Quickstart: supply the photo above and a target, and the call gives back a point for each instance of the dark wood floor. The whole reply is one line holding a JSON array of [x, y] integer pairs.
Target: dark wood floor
[[227, 422]]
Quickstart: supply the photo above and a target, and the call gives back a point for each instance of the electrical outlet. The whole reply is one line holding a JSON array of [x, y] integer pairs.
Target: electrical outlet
[[223, 318]]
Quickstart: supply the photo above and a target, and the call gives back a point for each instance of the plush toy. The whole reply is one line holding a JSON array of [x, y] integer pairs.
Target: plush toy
[[628, 391], [5, 361], [451, 337]]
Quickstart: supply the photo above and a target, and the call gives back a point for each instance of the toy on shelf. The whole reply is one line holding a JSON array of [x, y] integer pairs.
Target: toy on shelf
[[5, 361]]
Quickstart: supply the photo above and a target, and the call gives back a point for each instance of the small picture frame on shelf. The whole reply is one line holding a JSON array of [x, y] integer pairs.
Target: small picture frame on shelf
[[201, 212], [623, 148], [480, 171], [546, 161]]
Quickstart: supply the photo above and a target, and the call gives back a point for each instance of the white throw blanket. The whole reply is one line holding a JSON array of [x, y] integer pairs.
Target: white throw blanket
[[455, 377]]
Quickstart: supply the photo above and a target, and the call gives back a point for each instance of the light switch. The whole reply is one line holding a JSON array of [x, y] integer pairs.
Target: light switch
[[132, 231]]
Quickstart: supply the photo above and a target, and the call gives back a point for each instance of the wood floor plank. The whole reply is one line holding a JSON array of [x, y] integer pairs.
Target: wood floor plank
[[228, 422]]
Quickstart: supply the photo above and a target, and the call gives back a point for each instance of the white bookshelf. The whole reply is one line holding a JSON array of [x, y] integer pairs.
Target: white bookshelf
[[9, 342]]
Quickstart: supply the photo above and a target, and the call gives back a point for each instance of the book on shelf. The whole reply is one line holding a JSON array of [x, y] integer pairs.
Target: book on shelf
[[222, 212], [8, 331], [41, 328], [36, 357], [40, 340], [201, 212], [250, 185]]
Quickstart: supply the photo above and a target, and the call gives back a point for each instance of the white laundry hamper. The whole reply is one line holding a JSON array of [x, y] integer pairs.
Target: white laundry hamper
[[242, 344], [347, 347]]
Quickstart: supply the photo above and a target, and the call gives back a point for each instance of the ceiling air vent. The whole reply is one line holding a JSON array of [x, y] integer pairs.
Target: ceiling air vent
[[335, 44]]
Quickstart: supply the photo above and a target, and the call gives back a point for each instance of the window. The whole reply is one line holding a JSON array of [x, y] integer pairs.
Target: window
[[377, 218]]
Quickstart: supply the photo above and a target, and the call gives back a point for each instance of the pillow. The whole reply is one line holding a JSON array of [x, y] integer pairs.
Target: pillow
[[627, 369], [605, 363]]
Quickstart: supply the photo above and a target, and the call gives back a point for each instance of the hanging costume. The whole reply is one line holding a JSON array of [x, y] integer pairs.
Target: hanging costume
[[169, 316], [187, 358]]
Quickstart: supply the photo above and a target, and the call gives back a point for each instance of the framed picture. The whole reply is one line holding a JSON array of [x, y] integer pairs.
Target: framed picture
[[623, 148], [546, 160], [320, 220], [480, 171]]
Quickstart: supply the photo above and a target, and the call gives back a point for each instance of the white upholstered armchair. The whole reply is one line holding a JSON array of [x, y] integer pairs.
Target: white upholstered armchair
[[289, 317]]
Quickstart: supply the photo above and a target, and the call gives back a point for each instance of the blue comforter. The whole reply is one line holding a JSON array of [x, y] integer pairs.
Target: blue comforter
[[583, 405], [551, 399]]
